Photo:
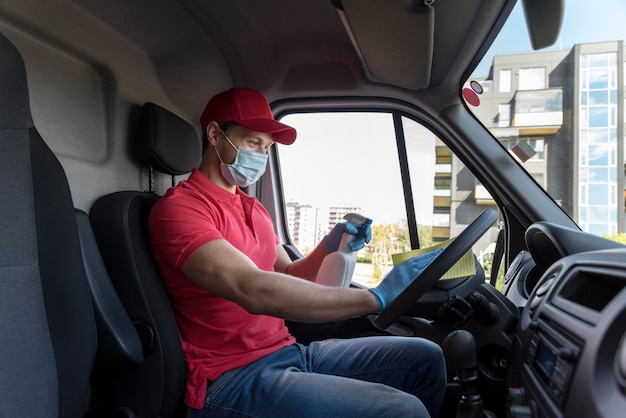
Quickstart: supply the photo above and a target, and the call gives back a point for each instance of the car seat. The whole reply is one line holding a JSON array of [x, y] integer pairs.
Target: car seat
[[119, 220], [48, 336], [119, 346]]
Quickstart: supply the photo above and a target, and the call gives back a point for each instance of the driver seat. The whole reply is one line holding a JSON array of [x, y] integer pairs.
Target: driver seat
[[155, 387]]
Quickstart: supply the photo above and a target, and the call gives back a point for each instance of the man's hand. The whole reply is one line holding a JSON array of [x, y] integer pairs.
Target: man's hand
[[401, 276], [362, 235]]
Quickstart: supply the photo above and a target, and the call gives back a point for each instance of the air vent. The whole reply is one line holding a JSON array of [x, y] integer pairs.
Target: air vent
[[592, 289]]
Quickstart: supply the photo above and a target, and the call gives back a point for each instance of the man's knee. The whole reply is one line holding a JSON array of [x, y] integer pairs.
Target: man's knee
[[433, 352], [400, 404], [432, 374]]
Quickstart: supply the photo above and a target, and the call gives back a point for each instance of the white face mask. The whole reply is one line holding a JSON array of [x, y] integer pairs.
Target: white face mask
[[247, 168]]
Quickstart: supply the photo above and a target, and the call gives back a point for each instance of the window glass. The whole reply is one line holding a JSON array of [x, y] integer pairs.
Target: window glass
[[532, 78], [504, 115], [505, 81], [342, 163], [566, 107], [348, 162]]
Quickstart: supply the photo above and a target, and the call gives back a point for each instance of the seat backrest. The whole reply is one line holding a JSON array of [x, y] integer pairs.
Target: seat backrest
[[47, 326], [119, 220], [119, 345]]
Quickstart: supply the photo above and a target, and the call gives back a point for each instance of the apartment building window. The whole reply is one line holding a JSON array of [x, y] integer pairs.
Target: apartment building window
[[505, 81], [504, 115], [441, 220], [598, 165], [532, 78]]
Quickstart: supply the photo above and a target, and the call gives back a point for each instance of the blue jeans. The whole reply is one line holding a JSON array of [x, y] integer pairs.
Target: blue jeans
[[361, 377]]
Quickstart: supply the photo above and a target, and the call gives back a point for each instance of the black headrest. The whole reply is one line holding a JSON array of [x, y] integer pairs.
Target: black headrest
[[168, 143], [14, 104]]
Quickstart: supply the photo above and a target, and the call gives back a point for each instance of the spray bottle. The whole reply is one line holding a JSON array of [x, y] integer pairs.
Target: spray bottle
[[337, 267]]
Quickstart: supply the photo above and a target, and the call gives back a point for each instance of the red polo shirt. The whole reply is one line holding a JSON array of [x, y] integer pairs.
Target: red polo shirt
[[217, 335]]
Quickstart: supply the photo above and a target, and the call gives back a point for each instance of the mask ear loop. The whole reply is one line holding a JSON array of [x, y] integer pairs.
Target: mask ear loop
[[218, 155], [231, 144], [228, 139], [215, 146]]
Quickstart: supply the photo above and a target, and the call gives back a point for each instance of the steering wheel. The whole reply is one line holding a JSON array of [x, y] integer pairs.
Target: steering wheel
[[437, 268]]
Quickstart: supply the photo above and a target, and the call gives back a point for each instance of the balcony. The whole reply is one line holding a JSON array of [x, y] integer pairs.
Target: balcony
[[482, 196], [538, 107], [440, 233], [442, 202]]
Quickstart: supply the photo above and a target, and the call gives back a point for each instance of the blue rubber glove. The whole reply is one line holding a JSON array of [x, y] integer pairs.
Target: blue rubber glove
[[401, 276], [363, 235]]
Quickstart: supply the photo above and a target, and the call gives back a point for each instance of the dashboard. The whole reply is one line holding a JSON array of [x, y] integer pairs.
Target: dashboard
[[568, 354]]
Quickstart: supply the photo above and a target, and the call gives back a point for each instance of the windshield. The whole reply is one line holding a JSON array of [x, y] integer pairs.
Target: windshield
[[560, 110]]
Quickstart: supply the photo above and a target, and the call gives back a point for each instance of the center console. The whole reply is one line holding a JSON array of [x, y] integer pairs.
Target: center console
[[569, 350]]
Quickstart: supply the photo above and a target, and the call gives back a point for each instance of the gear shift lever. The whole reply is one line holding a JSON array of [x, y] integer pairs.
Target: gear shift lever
[[459, 349]]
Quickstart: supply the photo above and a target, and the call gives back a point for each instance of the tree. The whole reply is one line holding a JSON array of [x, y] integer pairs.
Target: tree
[[388, 239]]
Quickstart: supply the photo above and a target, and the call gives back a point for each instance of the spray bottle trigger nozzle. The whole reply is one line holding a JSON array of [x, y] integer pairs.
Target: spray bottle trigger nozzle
[[357, 219]]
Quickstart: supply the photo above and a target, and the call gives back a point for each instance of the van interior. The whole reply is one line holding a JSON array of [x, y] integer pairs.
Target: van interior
[[100, 107]]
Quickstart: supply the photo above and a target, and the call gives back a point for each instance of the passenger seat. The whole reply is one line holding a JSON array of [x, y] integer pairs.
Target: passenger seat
[[47, 327], [155, 387]]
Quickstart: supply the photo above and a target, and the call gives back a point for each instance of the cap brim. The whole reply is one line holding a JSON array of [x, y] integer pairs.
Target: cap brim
[[281, 133]]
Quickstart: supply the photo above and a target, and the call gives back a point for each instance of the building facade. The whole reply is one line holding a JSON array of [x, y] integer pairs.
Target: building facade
[[304, 225], [308, 224], [552, 109]]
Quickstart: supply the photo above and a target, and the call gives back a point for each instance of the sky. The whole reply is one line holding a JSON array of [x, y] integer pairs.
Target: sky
[[366, 155], [584, 21]]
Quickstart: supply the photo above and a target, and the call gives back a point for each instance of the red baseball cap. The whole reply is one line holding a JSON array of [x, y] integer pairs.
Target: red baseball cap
[[248, 108]]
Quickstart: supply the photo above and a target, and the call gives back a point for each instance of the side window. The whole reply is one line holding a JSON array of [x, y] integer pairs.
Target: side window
[[349, 162]]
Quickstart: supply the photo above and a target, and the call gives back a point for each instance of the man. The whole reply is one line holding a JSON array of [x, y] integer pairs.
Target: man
[[232, 285]]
